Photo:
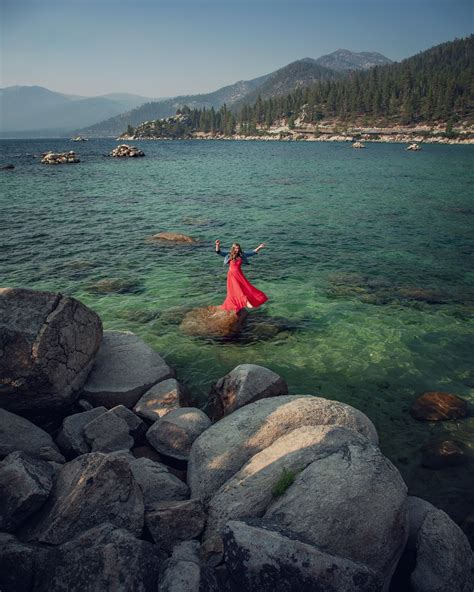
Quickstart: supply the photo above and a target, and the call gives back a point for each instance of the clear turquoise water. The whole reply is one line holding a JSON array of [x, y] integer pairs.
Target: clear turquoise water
[[368, 267]]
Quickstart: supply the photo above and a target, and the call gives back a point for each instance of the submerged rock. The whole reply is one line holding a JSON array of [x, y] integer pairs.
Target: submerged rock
[[438, 406], [244, 384], [125, 368], [119, 286], [447, 453], [175, 237], [213, 321], [48, 344]]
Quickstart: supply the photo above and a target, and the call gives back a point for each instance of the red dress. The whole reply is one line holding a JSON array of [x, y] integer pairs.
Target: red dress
[[240, 292]]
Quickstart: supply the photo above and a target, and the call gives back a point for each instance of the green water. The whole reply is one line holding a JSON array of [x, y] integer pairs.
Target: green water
[[368, 267]]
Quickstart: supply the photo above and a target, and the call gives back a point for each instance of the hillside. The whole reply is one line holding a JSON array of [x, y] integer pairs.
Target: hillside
[[300, 73], [343, 59], [432, 87]]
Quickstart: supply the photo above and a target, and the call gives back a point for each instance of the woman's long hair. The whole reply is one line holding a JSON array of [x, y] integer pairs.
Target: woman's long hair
[[235, 252]]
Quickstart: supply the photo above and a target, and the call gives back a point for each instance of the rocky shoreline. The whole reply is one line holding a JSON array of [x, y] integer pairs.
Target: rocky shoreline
[[112, 479]]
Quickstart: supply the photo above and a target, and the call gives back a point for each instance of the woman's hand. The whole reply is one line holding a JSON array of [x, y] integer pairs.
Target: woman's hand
[[218, 245], [260, 246]]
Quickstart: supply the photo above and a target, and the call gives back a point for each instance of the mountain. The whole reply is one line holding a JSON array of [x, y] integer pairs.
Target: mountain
[[35, 110], [165, 108], [343, 59], [300, 73]]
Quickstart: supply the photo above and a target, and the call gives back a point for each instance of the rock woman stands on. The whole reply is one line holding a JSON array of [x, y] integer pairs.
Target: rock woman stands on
[[240, 292]]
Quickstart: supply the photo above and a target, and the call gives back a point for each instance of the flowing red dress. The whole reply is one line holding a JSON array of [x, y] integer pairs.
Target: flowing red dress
[[240, 292]]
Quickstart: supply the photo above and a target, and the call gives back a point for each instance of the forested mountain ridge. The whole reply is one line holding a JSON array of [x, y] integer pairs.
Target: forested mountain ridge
[[433, 86], [297, 74], [342, 59]]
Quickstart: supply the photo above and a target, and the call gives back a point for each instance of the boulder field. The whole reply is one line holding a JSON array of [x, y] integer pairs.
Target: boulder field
[[138, 490]]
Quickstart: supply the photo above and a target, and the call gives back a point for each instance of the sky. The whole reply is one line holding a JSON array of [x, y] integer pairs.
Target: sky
[[161, 48]]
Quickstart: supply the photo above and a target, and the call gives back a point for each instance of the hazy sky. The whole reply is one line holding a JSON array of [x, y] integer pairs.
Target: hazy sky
[[162, 48]]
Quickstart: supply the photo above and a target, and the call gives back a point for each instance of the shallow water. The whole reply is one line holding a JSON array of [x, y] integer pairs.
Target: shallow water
[[368, 267]]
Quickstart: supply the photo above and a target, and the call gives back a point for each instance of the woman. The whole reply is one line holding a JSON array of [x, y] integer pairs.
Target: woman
[[240, 292]]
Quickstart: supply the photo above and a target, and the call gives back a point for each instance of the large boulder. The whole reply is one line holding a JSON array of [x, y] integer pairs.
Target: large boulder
[[244, 384], [25, 484], [71, 437], [17, 433], [159, 400], [92, 489], [253, 488], [174, 521], [101, 559], [444, 558], [351, 503], [174, 434], [124, 369], [107, 433], [157, 483], [213, 321], [48, 343], [19, 563], [221, 450], [262, 560], [437, 406]]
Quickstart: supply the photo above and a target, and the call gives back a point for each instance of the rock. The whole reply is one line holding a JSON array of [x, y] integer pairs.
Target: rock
[[174, 237], [157, 483], [444, 557], [108, 433], [261, 560], [159, 400], [102, 559], [213, 321], [25, 484], [125, 368], [244, 384], [126, 151], [83, 405], [227, 445], [71, 438], [174, 434], [18, 564], [251, 490], [180, 576], [113, 285], [136, 426], [48, 343], [187, 551], [60, 158], [417, 510], [211, 551], [447, 453], [437, 406], [174, 521], [17, 433], [351, 503], [7, 167], [92, 489]]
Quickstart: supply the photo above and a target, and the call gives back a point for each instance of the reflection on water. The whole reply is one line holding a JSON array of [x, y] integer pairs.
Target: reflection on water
[[368, 267]]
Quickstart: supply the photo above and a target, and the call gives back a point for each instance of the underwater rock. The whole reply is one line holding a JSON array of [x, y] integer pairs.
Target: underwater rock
[[447, 453], [213, 321], [174, 237], [7, 167], [119, 286], [438, 406]]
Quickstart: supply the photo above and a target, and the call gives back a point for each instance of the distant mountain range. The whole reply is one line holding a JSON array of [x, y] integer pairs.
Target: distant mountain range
[[29, 111]]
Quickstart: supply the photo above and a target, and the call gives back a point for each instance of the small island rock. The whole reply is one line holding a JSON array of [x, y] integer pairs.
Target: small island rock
[[213, 321]]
